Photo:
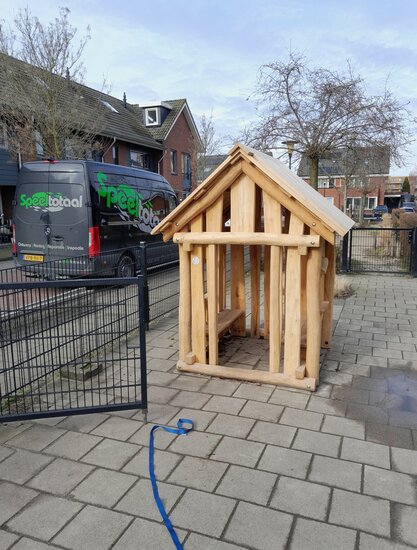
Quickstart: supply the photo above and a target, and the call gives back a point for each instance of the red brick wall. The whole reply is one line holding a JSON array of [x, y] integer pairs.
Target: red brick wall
[[179, 139]]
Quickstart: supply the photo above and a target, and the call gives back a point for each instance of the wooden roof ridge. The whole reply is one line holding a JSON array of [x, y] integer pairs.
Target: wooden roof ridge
[[266, 172]]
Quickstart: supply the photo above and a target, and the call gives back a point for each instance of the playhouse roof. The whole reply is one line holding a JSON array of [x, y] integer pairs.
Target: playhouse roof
[[272, 176]]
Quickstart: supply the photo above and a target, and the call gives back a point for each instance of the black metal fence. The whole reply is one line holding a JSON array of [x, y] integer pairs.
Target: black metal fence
[[72, 347], [379, 250]]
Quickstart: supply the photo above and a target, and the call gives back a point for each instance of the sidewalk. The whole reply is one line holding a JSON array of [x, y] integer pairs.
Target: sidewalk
[[266, 468]]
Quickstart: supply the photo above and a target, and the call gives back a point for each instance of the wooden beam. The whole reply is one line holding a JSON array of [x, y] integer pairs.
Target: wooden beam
[[313, 313], [237, 288], [198, 321], [242, 206], [260, 377], [212, 300], [273, 225], [246, 238], [293, 303], [255, 288], [327, 329], [184, 328]]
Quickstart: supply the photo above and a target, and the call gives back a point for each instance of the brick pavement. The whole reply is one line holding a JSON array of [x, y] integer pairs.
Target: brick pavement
[[266, 468]]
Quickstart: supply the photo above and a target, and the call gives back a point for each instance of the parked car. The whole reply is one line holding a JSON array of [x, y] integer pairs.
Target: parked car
[[380, 210], [408, 207]]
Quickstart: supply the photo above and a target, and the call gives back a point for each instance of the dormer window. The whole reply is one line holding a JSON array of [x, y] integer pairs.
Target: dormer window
[[152, 116]]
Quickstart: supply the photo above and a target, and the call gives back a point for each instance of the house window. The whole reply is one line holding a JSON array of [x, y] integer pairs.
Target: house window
[[353, 202], [173, 162], [330, 200], [115, 154], [140, 159], [371, 203], [152, 117]]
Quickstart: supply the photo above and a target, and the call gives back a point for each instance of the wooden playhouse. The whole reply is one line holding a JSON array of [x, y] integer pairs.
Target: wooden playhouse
[[253, 210]]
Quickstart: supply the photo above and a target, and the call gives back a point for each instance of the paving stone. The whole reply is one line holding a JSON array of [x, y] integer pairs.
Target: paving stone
[[301, 419], [200, 542], [335, 472], [93, 528], [73, 445], [360, 512], [111, 454], [139, 501], [234, 426], [161, 395], [30, 544], [158, 413], [315, 535], [247, 484], [60, 477], [103, 487], [261, 411], [275, 434], [192, 400], [258, 527], [5, 452], [7, 539], [162, 365], [366, 452], [343, 426], [369, 542], [151, 535], [36, 438], [320, 443], [158, 378], [301, 498], [12, 499], [389, 435], [44, 517], [117, 428], [162, 439], [202, 512], [190, 383], [350, 394], [366, 413], [285, 461], [404, 460], [391, 485], [371, 361], [220, 387], [228, 405], [238, 451], [403, 419], [164, 463], [159, 353], [22, 465], [198, 473], [254, 392], [366, 383], [405, 523], [9, 431], [201, 419], [195, 444], [83, 422]]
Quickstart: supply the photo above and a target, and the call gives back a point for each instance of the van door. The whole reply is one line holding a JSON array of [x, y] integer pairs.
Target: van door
[[51, 218]]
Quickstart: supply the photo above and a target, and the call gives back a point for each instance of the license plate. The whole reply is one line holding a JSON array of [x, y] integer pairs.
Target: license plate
[[32, 258]]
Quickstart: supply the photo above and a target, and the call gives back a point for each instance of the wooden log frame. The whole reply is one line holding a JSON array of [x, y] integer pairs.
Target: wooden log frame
[[198, 321], [313, 276]]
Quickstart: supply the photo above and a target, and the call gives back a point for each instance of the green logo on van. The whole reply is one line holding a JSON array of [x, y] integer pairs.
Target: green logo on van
[[126, 199], [49, 202]]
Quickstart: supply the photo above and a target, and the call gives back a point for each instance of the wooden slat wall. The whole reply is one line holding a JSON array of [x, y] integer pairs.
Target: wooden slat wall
[[198, 321], [273, 224], [293, 302], [313, 312]]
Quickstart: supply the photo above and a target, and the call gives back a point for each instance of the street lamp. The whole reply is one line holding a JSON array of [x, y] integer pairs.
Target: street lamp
[[290, 149]]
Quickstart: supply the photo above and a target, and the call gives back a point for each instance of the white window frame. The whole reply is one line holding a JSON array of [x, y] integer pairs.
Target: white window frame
[[350, 202], [374, 200], [151, 121], [330, 200]]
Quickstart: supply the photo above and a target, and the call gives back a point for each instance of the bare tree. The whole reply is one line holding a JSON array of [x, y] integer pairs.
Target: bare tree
[[210, 143], [322, 111], [47, 112]]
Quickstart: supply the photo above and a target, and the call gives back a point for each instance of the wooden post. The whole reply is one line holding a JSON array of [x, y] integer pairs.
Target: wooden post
[[255, 281], [267, 271], [273, 224], [313, 313], [327, 329], [212, 289], [185, 304], [237, 288], [293, 303], [198, 322]]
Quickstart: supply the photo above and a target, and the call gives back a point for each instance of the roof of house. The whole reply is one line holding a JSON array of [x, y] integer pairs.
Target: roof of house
[[116, 119], [273, 177], [350, 161], [211, 162], [176, 106]]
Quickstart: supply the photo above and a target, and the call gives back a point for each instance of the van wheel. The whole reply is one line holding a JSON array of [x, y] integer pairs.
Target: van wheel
[[125, 267]]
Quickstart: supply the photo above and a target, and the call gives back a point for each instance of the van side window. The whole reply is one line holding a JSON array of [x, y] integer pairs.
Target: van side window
[[172, 203]]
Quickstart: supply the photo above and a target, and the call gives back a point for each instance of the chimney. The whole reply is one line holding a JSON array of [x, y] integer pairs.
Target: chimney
[[124, 100]]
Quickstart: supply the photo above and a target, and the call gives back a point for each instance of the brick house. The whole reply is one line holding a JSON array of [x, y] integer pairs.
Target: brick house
[[365, 172], [171, 124]]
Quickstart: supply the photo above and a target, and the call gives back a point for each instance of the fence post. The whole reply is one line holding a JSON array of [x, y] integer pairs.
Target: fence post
[[414, 253], [143, 268], [143, 325], [345, 246]]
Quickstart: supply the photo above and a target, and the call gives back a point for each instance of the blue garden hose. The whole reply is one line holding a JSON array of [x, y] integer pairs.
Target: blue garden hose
[[179, 430]]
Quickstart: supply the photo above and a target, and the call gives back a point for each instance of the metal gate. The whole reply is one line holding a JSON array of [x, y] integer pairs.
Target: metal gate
[[379, 250], [72, 347]]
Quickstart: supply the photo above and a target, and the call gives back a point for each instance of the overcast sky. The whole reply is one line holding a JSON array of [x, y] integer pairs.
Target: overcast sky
[[209, 51]]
